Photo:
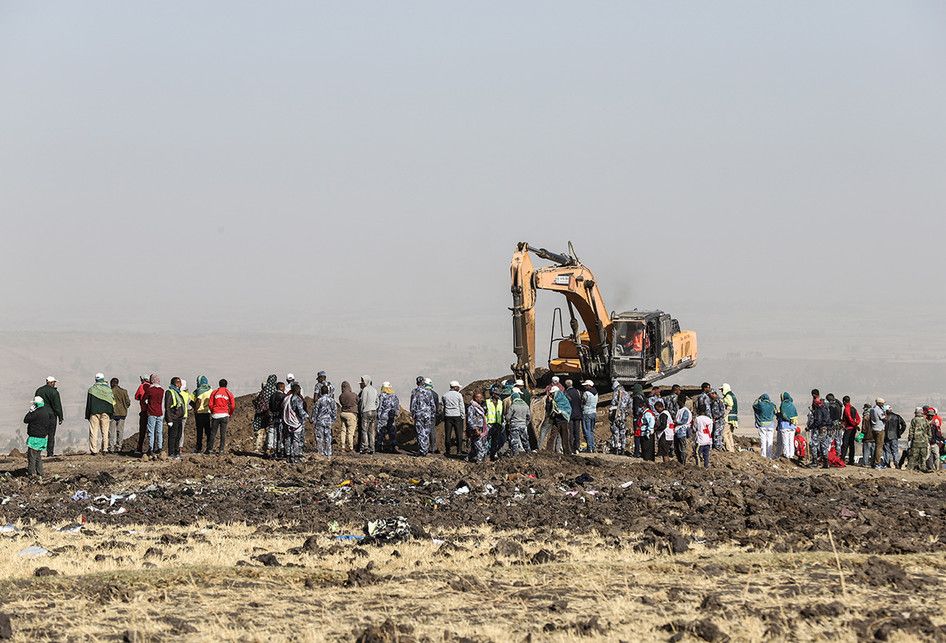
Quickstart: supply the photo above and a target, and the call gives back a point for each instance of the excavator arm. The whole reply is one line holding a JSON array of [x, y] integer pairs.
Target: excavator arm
[[573, 280]]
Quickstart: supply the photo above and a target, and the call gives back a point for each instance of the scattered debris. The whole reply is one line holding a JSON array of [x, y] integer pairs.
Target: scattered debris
[[33, 551]]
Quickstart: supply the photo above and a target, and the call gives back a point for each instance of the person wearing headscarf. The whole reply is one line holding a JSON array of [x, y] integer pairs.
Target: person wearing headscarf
[[618, 414], [261, 413], [99, 407], [518, 416], [50, 394], [201, 406], [787, 422], [918, 451], [764, 411], [39, 421], [388, 406], [293, 422], [424, 414], [477, 429], [324, 414]]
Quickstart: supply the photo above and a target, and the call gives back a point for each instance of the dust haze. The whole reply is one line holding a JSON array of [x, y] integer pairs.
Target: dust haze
[[234, 190]]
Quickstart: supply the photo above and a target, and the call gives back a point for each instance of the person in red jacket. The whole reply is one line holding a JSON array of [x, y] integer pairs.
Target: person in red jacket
[[221, 406], [851, 420], [153, 400]]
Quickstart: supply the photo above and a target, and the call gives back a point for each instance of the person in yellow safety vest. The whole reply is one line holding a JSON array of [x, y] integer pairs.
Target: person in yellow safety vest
[[201, 406], [732, 417], [494, 419]]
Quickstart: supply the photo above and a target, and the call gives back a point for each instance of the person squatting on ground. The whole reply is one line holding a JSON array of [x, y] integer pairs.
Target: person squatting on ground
[[348, 414], [324, 414], [261, 414], [764, 411], [40, 420], [918, 451], [99, 407], [732, 417], [293, 423], [518, 416], [424, 414], [50, 394], [222, 404], [619, 411], [703, 428], [388, 406], [787, 423], [454, 411], [116, 427], [367, 415], [477, 429]]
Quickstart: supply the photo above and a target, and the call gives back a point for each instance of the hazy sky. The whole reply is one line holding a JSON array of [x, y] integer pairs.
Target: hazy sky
[[178, 167]]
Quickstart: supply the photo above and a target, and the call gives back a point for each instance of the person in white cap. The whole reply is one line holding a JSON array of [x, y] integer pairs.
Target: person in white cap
[[50, 394], [99, 408], [454, 412]]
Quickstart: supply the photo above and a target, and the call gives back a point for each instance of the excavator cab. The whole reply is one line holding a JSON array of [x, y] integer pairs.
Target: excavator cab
[[648, 346]]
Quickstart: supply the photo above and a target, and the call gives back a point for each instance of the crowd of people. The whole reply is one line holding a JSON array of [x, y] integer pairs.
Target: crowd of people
[[492, 423]]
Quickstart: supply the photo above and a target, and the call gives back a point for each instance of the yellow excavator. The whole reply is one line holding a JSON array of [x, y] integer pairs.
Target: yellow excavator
[[631, 347]]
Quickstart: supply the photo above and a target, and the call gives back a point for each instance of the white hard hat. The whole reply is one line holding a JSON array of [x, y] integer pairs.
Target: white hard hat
[[99, 376], [386, 385], [290, 376], [427, 380], [51, 379], [454, 384]]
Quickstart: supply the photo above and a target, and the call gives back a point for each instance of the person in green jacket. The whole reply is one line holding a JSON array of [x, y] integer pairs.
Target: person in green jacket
[[99, 408], [50, 395], [764, 411]]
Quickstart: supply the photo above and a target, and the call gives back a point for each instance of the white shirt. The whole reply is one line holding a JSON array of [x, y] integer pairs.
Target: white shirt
[[704, 430]]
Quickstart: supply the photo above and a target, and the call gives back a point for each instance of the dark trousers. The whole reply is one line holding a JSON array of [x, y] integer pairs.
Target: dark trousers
[[175, 430], [51, 442], [637, 446], [680, 449], [560, 427], [577, 425], [847, 447], [218, 426], [453, 434], [203, 430], [705, 455], [34, 461], [142, 431], [647, 448], [497, 438]]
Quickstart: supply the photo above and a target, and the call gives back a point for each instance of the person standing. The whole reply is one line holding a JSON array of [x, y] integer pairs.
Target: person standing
[[141, 397], [275, 444], [321, 379], [454, 410], [684, 429], [50, 394], [348, 414], [787, 421], [635, 420], [388, 407], [648, 430], [718, 413], [424, 413], [174, 406], [836, 430], [476, 428], [764, 411], [368, 412], [936, 437], [221, 404], [39, 421], [702, 404], [116, 428], [655, 394], [895, 427], [919, 449], [494, 418], [732, 418], [99, 407], [201, 406], [672, 400], [619, 411], [154, 399], [438, 415], [703, 427], [576, 420], [819, 426], [518, 417], [867, 437], [589, 413], [324, 414], [851, 420], [878, 428], [665, 431], [561, 416], [261, 412], [188, 403], [293, 422]]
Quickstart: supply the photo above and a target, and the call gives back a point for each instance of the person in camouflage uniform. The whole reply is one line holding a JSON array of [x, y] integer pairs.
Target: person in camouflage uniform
[[619, 411], [388, 406], [518, 417], [293, 423], [322, 380], [424, 413], [324, 414], [672, 400], [477, 430], [919, 451], [718, 413]]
